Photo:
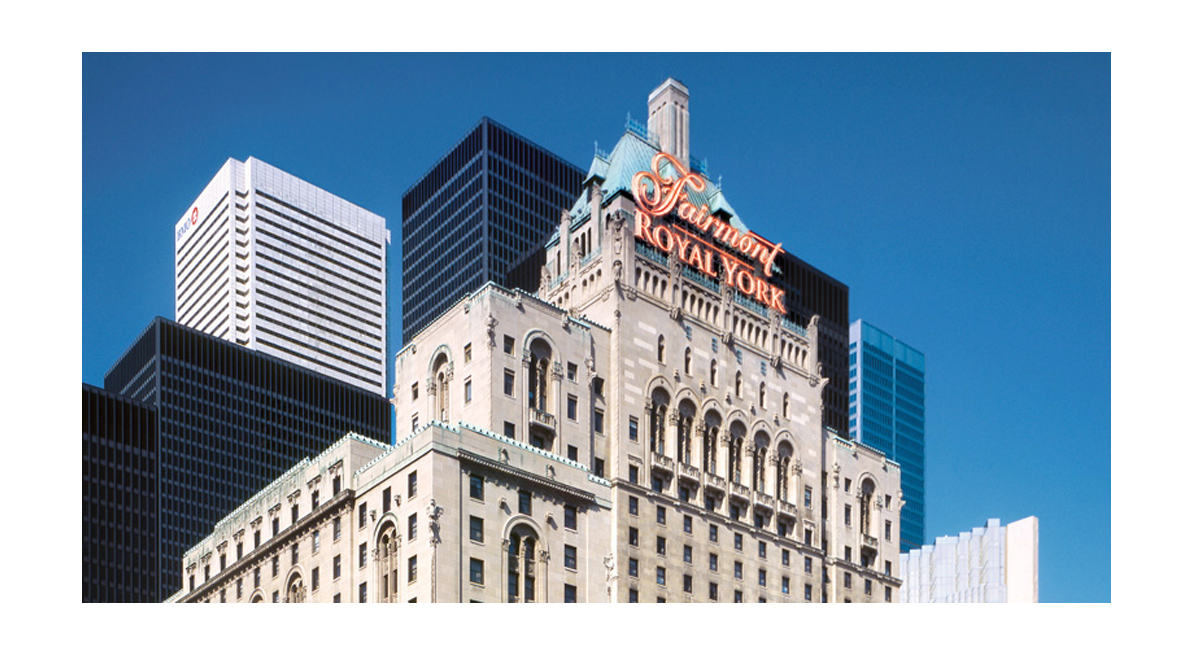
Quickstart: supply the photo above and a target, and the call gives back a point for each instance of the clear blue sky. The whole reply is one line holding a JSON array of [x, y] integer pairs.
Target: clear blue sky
[[965, 200]]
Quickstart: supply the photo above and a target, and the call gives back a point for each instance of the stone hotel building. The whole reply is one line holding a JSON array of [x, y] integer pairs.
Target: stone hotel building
[[645, 428]]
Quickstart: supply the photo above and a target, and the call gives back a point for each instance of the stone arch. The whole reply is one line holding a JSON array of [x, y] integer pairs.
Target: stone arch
[[294, 590], [525, 561], [386, 548]]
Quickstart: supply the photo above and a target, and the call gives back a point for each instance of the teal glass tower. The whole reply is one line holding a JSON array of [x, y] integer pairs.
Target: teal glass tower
[[887, 412]]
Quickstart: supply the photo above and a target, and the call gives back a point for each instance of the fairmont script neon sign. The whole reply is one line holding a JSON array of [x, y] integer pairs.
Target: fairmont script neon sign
[[661, 191]]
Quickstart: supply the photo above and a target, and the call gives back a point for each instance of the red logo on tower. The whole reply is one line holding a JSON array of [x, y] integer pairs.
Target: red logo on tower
[[743, 260]]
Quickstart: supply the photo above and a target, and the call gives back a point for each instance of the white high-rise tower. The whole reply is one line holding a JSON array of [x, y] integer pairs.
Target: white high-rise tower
[[274, 263]]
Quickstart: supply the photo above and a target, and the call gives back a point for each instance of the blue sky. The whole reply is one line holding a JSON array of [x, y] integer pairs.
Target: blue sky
[[965, 200]]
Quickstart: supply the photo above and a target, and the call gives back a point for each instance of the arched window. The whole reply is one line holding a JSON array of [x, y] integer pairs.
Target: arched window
[[762, 395], [662, 349], [786, 402], [539, 368], [737, 385], [737, 442], [712, 372], [387, 559], [683, 432], [295, 589], [441, 393], [658, 421], [712, 428], [781, 471], [761, 441], [687, 360], [523, 559], [865, 502]]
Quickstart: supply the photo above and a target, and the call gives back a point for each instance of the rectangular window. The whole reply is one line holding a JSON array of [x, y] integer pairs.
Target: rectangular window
[[568, 593], [572, 453], [387, 499], [762, 577], [316, 541], [222, 595], [687, 553], [477, 487], [687, 524], [849, 555], [476, 571], [633, 567], [656, 484], [275, 566], [660, 576], [275, 596], [316, 499], [867, 587], [807, 564], [337, 567], [737, 570], [337, 598], [362, 592], [316, 578], [476, 529], [257, 577], [887, 530], [467, 391], [660, 514], [633, 595], [712, 532], [467, 353], [362, 555], [712, 591], [633, 536], [257, 538], [295, 513], [847, 514], [416, 422], [846, 580], [337, 528], [509, 380], [887, 502], [525, 502], [633, 474], [572, 407], [569, 557], [737, 596], [887, 594], [786, 585], [598, 467], [295, 553], [660, 545], [633, 505], [569, 517], [412, 485], [598, 421], [239, 550], [762, 549], [633, 429], [239, 587], [737, 541], [887, 567], [508, 345], [572, 369], [412, 569], [412, 526], [808, 537], [712, 561], [415, 391], [687, 583], [362, 515], [787, 558], [510, 430], [808, 497], [808, 592], [274, 526]]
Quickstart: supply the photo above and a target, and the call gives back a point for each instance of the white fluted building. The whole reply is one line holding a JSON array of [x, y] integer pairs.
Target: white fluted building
[[992, 563]]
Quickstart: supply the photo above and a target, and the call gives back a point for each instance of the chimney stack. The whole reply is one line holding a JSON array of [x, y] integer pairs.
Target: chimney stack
[[668, 121]]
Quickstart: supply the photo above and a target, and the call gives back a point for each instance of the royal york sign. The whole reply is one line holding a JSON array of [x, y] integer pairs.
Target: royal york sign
[[741, 260]]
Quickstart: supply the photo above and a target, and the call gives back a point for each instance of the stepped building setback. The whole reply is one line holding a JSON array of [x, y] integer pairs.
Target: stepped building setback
[[646, 427]]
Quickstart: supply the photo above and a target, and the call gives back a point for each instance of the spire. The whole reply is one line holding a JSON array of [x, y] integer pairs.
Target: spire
[[668, 106]]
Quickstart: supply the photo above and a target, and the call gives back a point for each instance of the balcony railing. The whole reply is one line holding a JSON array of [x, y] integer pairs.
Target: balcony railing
[[714, 481], [662, 461], [870, 541], [689, 471], [787, 508], [764, 500], [543, 419], [739, 490]]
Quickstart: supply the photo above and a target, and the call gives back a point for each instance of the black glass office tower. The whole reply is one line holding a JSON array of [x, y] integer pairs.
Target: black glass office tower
[[229, 420], [120, 498], [480, 214]]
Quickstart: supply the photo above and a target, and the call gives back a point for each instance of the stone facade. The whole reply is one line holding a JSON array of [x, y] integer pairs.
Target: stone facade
[[669, 417]]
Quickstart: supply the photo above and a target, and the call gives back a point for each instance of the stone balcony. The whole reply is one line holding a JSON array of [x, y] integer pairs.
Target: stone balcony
[[788, 509], [662, 462], [739, 491], [870, 542], [714, 482], [543, 418], [688, 471], [764, 501]]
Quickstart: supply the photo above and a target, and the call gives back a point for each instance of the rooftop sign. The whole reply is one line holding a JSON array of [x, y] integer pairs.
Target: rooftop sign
[[744, 260]]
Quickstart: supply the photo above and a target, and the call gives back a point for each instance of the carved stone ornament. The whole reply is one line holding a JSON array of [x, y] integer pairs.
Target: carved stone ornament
[[776, 361], [491, 330], [676, 312], [466, 306], [727, 337], [566, 320], [616, 271], [433, 511], [519, 301], [543, 556]]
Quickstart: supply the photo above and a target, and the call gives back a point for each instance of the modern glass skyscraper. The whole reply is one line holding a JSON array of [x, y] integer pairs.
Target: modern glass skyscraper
[[274, 263], [481, 212], [887, 412], [224, 422]]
